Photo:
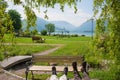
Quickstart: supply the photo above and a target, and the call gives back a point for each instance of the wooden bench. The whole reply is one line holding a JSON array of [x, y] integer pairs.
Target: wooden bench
[[38, 39], [59, 61]]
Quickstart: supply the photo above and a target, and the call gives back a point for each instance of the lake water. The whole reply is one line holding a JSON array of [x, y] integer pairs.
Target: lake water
[[82, 33], [78, 33]]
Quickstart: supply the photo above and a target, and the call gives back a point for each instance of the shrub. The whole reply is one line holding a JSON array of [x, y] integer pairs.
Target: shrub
[[44, 32], [26, 34], [82, 35], [34, 32], [1, 57], [74, 35]]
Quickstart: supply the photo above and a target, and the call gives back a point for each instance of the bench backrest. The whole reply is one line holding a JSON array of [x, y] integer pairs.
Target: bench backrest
[[36, 38], [57, 59]]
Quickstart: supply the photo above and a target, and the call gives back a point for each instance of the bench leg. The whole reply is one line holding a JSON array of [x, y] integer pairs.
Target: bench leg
[[32, 75], [26, 72]]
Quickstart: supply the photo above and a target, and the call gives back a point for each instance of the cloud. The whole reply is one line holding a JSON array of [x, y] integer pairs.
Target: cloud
[[69, 16], [56, 14]]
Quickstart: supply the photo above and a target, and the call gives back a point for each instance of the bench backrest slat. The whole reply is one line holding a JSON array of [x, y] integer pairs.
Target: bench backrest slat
[[59, 59]]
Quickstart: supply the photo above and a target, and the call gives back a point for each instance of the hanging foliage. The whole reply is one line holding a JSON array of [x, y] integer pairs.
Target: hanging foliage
[[29, 5], [110, 14], [5, 27], [31, 17], [5, 22]]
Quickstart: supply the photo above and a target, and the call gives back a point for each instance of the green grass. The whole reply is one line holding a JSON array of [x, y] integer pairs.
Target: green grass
[[46, 76], [55, 40], [38, 76], [22, 40], [24, 50], [102, 74], [72, 46], [50, 39], [94, 74]]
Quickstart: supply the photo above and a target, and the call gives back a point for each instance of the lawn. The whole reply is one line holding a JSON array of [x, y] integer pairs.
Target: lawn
[[23, 50], [72, 46], [49, 39]]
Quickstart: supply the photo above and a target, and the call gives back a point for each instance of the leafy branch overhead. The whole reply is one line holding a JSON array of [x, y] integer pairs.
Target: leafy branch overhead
[[108, 30], [5, 21], [29, 5]]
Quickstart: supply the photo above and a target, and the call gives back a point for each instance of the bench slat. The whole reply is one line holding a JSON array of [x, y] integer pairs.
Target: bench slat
[[49, 68], [61, 59]]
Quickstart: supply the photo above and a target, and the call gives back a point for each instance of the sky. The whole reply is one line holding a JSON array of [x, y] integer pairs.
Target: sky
[[84, 13]]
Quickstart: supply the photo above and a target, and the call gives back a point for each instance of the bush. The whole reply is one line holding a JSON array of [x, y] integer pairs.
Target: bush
[[98, 74], [74, 35], [26, 34], [82, 35], [1, 57], [44, 32], [34, 32]]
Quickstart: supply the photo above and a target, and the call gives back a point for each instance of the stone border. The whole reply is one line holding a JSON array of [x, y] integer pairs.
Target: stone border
[[14, 75]]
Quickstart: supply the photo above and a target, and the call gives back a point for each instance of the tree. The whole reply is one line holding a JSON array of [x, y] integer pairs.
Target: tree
[[50, 28], [5, 23], [110, 13], [16, 18], [44, 32], [34, 32], [29, 5]]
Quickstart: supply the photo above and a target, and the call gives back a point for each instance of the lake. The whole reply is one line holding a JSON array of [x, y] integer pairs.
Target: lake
[[78, 33]]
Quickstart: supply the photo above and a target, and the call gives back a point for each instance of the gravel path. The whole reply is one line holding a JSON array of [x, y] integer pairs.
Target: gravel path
[[50, 50]]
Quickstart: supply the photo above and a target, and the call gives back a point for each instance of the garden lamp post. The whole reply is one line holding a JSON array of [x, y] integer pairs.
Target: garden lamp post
[[92, 27]]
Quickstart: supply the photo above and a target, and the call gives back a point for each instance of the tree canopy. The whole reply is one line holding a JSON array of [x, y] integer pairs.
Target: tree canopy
[[50, 28], [110, 14], [16, 18], [110, 10], [5, 21], [29, 5]]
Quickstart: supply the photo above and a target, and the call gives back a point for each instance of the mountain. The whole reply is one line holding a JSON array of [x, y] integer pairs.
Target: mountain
[[86, 27], [63, 25], [59, 25], [40, 24]]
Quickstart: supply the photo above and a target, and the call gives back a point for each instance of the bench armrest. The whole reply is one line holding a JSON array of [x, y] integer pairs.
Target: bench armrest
[[29, 63]]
